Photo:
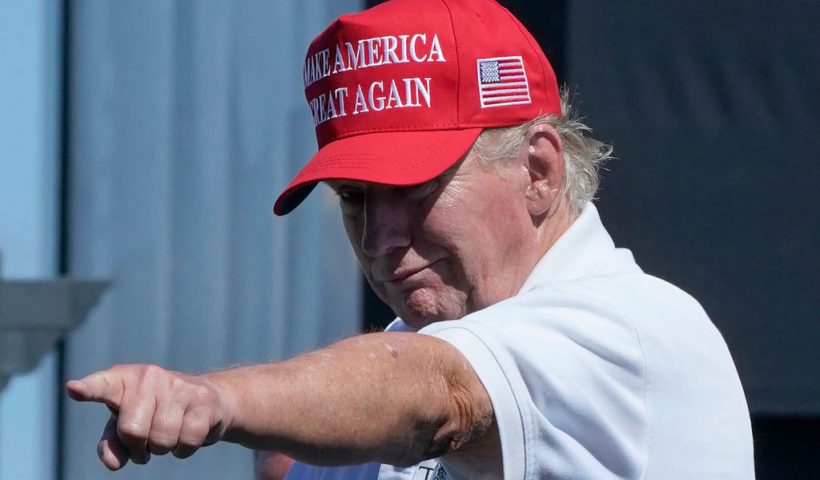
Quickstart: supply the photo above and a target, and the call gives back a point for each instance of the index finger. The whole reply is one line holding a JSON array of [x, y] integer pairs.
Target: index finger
[[103, 387]]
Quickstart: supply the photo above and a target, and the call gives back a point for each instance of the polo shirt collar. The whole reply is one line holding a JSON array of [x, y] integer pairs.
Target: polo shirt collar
[[584, 250]]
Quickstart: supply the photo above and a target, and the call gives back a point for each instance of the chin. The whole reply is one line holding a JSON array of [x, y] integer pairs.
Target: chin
[[424, 306], [419, 315], [420, 318]]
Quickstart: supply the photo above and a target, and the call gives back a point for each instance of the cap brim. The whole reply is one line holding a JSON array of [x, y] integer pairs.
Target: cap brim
[[390, 158]]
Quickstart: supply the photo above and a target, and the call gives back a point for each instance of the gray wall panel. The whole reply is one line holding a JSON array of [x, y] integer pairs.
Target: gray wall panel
[[187, 119], [715, 117]]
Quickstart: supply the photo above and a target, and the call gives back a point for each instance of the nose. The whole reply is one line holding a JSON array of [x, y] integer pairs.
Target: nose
[[386, 223]]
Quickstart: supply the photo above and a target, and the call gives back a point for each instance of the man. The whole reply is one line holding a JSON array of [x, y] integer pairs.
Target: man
[[527, 345]]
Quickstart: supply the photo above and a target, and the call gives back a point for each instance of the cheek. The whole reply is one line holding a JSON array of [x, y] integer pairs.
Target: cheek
[[472, 218], [354, 232], [480, 234], [354, 236], [454, 235]]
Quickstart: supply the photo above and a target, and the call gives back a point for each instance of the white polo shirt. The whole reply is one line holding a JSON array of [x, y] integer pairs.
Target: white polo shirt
[[595, 370]]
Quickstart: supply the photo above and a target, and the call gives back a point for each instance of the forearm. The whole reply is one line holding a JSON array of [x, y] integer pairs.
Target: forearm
[[394, 397]]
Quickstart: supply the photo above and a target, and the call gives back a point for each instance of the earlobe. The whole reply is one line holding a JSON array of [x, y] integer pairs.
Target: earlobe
[[539, 198]]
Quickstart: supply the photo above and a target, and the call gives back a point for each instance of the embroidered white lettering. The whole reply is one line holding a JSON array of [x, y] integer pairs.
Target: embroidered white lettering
[[374, 56], [376, 103], [413, 53], [435, 50], [341, 96], [403, 39], [393, 98], [316, 67], [339, 63], [389, 46], [419, 89], [361, 103], [354, 57]]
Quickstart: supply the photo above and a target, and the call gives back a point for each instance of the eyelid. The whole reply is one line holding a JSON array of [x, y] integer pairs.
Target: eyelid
[[351, 201], [348, 195], [342, 189]]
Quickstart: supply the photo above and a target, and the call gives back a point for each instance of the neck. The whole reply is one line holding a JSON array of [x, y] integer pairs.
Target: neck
[[553, 225]]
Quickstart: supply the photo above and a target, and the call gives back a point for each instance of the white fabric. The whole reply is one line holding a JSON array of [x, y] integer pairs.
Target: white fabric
[[599, 371]]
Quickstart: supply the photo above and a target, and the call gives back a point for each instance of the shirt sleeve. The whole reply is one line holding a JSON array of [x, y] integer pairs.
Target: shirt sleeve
[[302, 471], [566, 384]]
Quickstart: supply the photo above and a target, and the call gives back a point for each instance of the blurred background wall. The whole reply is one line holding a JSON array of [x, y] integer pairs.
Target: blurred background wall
[[715, 116], [714, 112], [29, 208], [179, 124], [186, 119], [144, 141]]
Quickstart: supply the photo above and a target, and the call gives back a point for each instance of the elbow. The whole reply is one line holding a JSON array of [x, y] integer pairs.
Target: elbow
[[465, 423]]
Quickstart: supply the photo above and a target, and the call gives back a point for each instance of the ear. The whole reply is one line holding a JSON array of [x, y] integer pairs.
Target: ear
[[545, 165]]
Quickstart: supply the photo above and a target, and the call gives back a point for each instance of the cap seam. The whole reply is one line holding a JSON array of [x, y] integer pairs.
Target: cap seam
[[458, 63], [410, 128]]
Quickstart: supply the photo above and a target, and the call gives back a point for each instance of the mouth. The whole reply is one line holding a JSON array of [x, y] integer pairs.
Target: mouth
[[404, 274], [406, 277]]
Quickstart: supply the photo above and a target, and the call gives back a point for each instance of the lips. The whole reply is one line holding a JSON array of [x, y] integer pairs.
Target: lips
[[401, 274]]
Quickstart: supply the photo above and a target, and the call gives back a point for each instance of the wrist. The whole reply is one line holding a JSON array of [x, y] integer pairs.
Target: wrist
[[227, 403]]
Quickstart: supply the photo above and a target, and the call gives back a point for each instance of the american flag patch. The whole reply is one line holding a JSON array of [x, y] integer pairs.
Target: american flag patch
[[502, 81]]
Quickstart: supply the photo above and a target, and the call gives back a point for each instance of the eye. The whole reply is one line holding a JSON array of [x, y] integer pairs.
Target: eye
[[351, 200]]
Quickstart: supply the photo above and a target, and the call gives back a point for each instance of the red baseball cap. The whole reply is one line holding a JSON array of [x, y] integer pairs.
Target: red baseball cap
[[400, 92]]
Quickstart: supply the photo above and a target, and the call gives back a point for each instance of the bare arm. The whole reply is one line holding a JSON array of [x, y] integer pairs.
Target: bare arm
[[391, 397]]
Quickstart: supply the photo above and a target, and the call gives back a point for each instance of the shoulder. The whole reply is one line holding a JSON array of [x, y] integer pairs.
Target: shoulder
[[565, 371]]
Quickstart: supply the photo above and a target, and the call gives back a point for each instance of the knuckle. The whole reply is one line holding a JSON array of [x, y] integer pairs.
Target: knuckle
[[131, 431], [161, 445], [203, 394], [187, 387], [199, 429], [195, 432], [152, 371], [179, 384]]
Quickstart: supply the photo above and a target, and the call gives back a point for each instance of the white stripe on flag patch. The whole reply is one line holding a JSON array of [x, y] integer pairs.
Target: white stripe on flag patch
[[502, 81]]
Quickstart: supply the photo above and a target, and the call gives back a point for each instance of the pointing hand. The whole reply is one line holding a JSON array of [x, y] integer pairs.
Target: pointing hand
[[153, 411]]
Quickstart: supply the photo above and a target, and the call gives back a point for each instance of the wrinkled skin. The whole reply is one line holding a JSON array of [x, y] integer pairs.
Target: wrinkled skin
[[436, 251], [190, 414], [454, 245]]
